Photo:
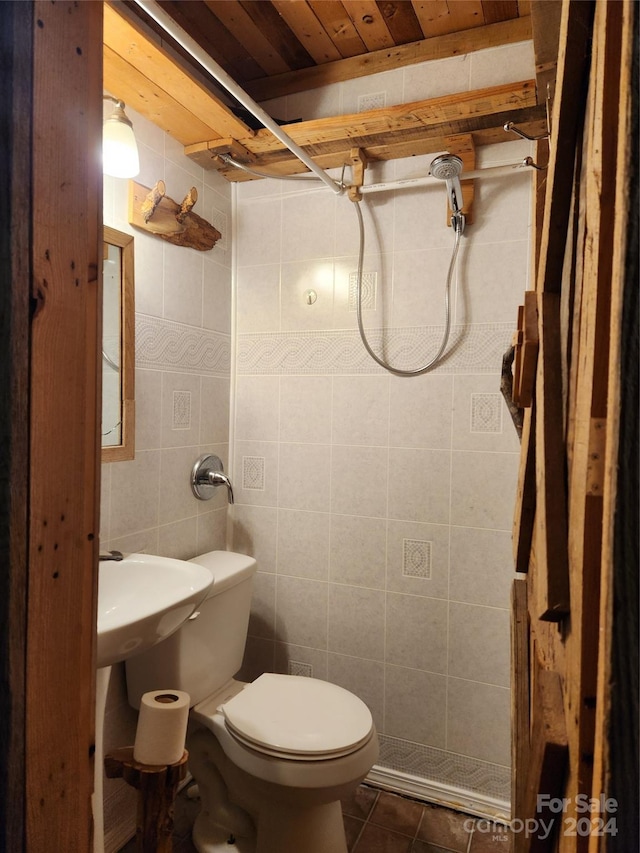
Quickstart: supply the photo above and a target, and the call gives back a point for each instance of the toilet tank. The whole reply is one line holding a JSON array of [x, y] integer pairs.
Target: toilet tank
[[202, 655]]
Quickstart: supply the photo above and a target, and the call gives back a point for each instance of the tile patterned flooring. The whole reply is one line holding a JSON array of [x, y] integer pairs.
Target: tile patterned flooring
[[380, 822]]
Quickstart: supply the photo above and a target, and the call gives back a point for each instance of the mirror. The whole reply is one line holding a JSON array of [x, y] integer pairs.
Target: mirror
[[118, 347]]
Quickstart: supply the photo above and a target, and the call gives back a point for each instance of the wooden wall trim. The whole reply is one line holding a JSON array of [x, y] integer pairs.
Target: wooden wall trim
[[15, 181], [64, 423]]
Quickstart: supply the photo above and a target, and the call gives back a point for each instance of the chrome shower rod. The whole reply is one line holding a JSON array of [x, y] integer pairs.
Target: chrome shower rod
[[429, 180], [218, 73]]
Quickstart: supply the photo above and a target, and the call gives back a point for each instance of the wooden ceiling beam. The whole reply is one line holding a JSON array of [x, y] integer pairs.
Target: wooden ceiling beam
[[418, 115], [140, 72], [438, 47], [124, 81], [389, 133]]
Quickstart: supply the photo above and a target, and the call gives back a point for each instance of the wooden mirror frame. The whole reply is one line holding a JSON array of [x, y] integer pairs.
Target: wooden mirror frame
[[126, 448]]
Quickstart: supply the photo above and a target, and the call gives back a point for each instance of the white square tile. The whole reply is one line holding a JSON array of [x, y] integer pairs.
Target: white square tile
[[148, 409], [216, 297], [299, 279], [359, 481], [214, 410], [134, 493], [416, 632], [479, 721], [257, 408], [305, 409], [183, 277], [415, 705], [364, 678], [360, 410], [358, 551], [177, 501], [421, 411], [419, 485], [419, 279], [504, 64], [259, 225], [481, 566], [356, 621], [437, 78], [491, 282], [479, 643], [149, 274], [253, 531], [263, 606], [258, 299], [304, 477], [303, 544], [302, 611], [483, 489], [308, 223]]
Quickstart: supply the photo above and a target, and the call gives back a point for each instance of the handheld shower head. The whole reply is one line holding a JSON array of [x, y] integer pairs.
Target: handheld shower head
[[446, 168]]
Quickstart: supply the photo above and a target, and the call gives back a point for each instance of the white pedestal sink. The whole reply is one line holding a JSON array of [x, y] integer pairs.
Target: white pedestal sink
[[142, 599]]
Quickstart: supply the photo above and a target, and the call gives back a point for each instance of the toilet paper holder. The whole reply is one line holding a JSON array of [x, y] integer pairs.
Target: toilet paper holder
[[157, 787]]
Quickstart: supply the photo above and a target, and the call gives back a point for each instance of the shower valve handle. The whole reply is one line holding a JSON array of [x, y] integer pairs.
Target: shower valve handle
[[206, 475]]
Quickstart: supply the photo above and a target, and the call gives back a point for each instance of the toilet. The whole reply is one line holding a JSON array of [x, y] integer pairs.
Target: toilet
[[272, 758]]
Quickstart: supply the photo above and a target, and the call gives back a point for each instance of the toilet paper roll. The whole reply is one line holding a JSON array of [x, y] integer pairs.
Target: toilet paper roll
[[162, 727]]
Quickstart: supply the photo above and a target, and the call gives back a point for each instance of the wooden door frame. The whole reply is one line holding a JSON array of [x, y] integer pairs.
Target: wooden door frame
[[50, 241]]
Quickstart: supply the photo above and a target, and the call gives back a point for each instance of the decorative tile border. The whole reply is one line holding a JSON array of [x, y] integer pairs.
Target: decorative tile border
[[476, 348], [447, 768], [165, 345]]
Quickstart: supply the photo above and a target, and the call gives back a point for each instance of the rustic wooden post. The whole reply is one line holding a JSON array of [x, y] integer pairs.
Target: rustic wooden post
[[157, 786]]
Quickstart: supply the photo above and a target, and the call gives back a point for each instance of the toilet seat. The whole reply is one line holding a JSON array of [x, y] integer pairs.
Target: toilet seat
[[297, 718]]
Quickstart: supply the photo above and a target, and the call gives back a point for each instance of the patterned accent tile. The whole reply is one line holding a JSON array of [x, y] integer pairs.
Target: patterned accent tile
[[219, 220], [493, 780], [369, 291], [253, 472], [476, 348], [372, 101], [416, 558], [181, 410], [486, 413], [166, 345], [297, 667]]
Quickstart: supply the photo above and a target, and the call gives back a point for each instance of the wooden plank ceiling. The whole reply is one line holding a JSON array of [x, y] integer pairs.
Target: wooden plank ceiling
[[276, 48]]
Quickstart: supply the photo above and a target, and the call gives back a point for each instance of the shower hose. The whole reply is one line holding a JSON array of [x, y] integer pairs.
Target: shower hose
[[457, 223]]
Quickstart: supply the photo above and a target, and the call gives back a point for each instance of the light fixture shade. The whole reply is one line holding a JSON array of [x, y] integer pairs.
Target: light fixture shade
[[119, 149]]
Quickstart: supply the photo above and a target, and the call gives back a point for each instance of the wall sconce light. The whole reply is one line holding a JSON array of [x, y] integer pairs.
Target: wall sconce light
[[119, 149]]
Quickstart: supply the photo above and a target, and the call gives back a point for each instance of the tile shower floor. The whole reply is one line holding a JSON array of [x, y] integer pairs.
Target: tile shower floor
[[380, 822]]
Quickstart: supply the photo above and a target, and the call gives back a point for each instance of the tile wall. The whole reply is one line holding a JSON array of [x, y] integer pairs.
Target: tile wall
[[379, 508], [183, 346]]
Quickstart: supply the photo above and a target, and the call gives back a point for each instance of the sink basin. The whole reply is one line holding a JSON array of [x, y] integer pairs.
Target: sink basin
[[142, 599]]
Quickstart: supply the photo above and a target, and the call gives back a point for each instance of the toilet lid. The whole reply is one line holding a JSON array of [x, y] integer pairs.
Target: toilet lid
[[299, 716]]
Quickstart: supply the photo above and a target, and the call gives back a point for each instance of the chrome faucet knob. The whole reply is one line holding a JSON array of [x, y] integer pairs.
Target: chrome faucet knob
[[206, 475]]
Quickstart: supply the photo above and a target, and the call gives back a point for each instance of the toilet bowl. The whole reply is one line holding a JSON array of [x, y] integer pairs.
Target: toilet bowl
[[272, 758]]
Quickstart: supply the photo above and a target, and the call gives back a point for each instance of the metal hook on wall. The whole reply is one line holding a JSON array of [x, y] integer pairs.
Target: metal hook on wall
[[528, 161], [510, 127]]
